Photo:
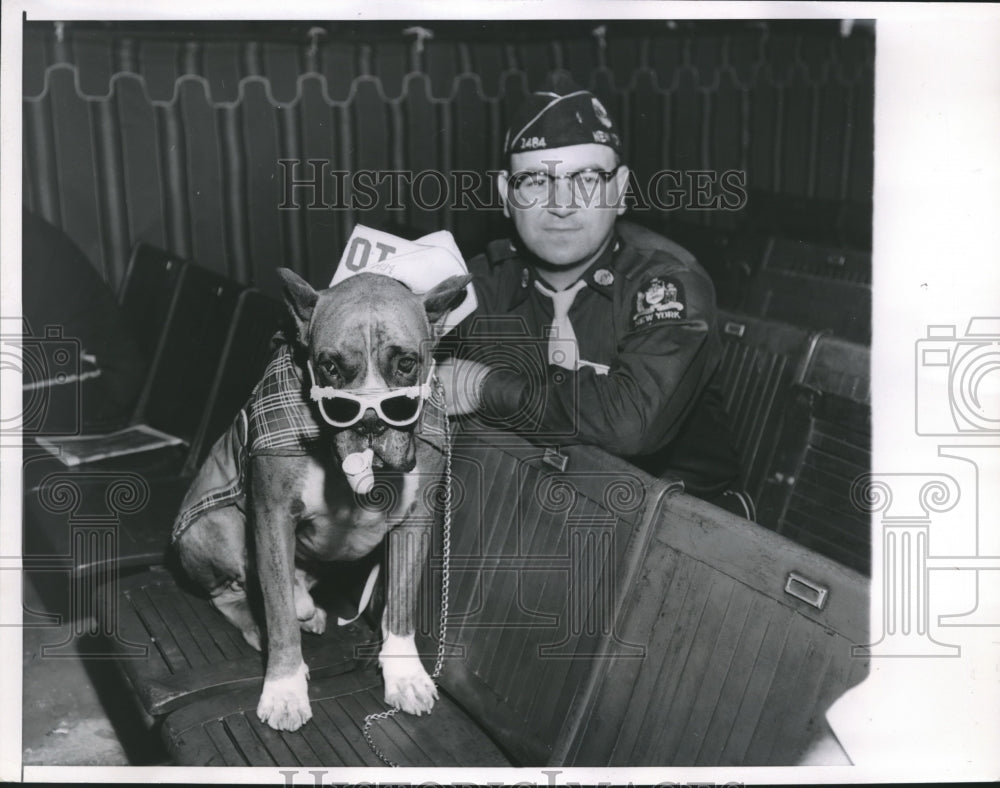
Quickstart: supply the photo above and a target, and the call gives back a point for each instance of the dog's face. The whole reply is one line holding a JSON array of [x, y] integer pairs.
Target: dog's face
[[370, 333]]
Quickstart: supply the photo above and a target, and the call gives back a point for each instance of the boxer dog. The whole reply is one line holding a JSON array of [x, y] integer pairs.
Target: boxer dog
[[360, 371]]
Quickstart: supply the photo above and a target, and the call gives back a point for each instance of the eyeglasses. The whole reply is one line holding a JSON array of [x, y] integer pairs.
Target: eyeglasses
[[397, 407], [532, 184]]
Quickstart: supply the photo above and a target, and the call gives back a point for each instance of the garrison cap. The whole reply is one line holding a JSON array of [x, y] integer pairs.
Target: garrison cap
[[560, 113]]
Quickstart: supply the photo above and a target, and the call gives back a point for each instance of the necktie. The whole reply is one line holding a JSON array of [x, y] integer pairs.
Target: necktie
[[563, 350]]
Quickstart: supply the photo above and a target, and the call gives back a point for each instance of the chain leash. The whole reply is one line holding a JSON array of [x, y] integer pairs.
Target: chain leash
[[371, 719]]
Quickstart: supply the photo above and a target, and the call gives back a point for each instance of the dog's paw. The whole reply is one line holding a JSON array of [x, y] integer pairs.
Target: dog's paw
[[316, 623], [408, 686], [284, 703], [252, 636]]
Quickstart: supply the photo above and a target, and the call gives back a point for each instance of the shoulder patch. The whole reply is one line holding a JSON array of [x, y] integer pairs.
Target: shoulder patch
[[661, 298]]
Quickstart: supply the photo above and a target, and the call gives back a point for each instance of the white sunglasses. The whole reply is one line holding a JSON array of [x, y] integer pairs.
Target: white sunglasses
[[397, 407]]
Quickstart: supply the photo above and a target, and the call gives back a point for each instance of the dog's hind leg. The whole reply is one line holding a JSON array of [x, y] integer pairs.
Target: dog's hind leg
[[311, 618], [231, 600], [213, 553]]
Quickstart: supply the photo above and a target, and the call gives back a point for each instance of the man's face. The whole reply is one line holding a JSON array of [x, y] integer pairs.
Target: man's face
[[561, 223]]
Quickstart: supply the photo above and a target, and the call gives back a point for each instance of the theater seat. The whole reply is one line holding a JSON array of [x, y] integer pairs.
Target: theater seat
[[761, 360], [823, 446]]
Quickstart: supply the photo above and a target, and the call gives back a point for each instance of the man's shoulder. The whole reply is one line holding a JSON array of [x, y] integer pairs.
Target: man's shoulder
[[499, 263], [496, 273], [651, 258], [496, 253], [650, 248]]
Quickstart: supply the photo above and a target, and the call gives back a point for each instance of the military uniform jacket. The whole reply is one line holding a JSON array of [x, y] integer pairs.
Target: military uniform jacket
[[648, 345]]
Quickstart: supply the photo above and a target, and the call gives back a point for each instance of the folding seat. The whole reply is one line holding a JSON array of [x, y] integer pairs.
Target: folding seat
[[139, 493], [814, 288], [245, 354], [747, 638], [822, 261], [731, 257], [761, 361], [825, 444], [148, 291]]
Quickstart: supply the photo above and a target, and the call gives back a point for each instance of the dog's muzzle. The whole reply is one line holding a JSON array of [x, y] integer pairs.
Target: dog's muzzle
[[397, 407]]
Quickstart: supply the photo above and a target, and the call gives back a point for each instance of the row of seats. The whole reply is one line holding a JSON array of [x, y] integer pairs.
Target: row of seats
[[589, 602], [816, 284], [597, 617], [800, 405], [207, 341], [786, 388], [798, 401]]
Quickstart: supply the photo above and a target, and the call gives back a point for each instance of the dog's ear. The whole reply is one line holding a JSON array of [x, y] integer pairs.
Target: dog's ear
[[445, 296], [300, 299]]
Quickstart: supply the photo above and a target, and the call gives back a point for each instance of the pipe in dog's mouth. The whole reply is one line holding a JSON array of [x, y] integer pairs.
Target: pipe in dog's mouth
[[393, 450], [357, 469]]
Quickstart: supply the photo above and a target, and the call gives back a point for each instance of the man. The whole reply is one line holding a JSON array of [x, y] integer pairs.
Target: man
[[624, 319]]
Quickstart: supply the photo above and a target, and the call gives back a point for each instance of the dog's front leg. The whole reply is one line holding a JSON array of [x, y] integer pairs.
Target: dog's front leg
[[284, 701], [407, 684]]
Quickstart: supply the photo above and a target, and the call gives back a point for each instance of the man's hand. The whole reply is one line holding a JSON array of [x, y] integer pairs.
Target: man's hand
[[463, 384]]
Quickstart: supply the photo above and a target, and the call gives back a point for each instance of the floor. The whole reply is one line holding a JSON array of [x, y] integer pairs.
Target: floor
[[73, 711]]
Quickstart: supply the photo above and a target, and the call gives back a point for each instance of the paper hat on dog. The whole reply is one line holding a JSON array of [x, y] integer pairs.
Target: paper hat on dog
[[420, 264]]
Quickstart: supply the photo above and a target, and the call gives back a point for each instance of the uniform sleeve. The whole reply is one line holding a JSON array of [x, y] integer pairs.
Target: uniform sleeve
[[664, 360]]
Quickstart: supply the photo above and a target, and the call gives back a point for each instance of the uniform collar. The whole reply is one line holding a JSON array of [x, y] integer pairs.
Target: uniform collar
[[600, 275]]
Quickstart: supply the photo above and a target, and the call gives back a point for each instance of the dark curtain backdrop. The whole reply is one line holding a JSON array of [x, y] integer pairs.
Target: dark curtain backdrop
[[171, 134]]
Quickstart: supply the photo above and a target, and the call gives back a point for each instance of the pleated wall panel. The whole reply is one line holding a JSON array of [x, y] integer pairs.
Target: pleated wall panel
[[261, 129], [472, 140], [181, 148], [763, 168], [372, 145], [202, 174], [859, 168], [159, 64], [76, 179], [426, 136], [833, 135], [795, 157], [221, 67], [141, 166], [324, 230], [282, 64]]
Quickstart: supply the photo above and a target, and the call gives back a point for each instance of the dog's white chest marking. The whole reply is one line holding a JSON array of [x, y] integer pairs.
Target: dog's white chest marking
[[339, 529], [313, 499]]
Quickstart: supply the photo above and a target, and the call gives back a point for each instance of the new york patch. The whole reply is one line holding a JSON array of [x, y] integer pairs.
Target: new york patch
[[661, 298]]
